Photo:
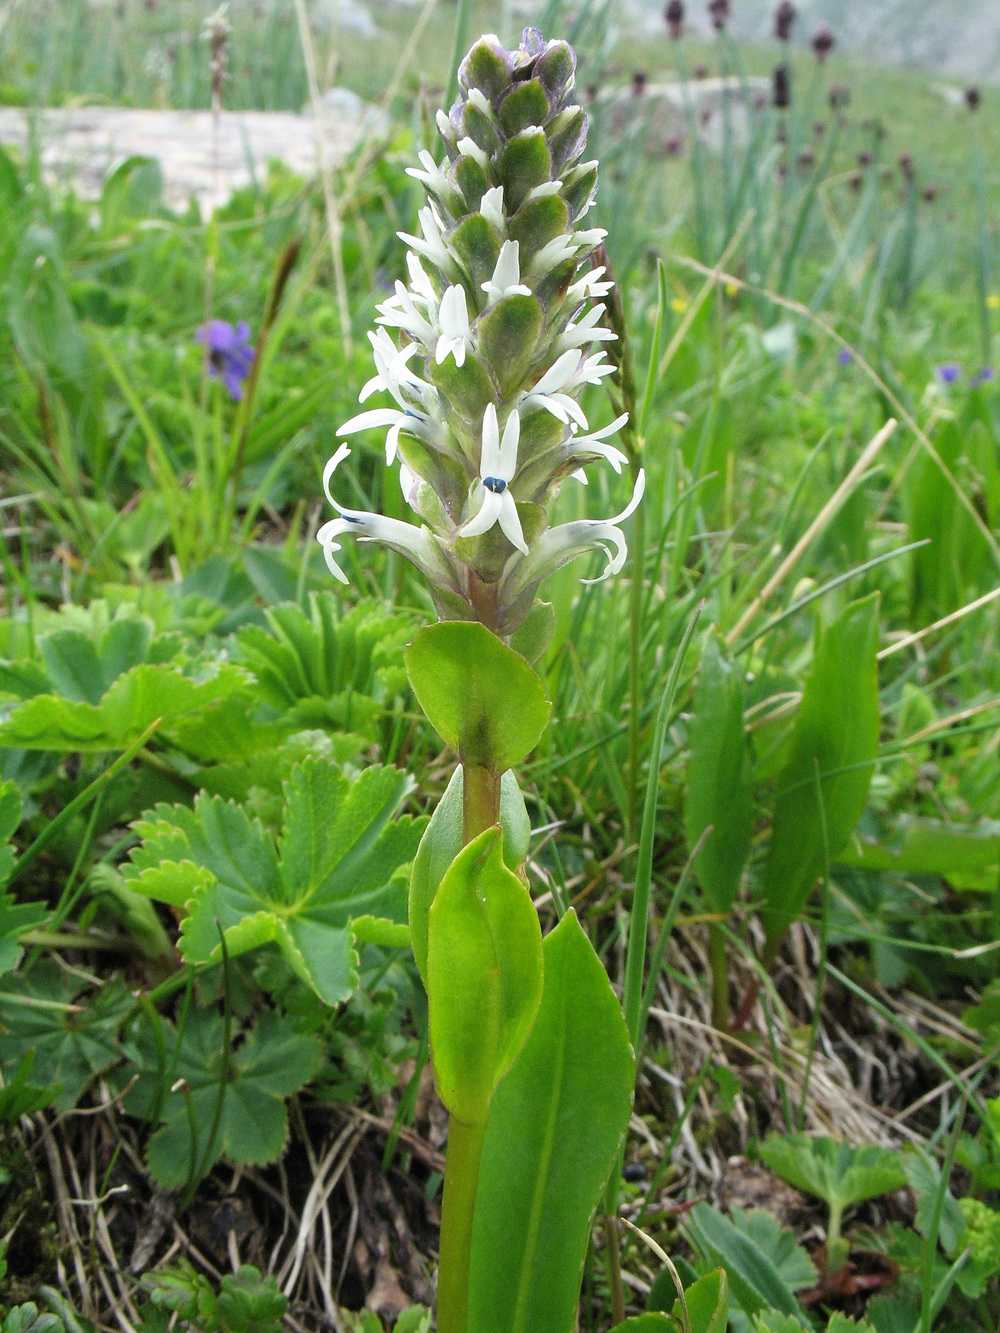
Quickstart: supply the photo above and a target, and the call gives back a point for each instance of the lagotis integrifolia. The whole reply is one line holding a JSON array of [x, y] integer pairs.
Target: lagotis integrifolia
[[495, 330]]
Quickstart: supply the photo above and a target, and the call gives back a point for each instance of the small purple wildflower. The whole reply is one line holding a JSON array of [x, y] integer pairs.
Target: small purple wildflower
[[845, 356], [229, 353], [949, 372], [985, 375]]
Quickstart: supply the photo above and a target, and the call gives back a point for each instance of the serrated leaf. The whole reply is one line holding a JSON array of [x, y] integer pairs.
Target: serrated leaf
[[755, 1281], [336, 864], [837, 1173], [778, 1243], [240, 1092]]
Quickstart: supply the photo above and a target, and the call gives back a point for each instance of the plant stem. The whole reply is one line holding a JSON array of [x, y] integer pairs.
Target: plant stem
[[461, 1177], [720, 976], [480, 801], [614, 1269]]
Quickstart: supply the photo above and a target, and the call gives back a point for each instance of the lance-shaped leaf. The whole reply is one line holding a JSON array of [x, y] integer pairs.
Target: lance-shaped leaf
[[554, 1131], [754, 1279], [481, 697], [442, 841], [334, 878], [832, 755], [484, 975], [719, 781]]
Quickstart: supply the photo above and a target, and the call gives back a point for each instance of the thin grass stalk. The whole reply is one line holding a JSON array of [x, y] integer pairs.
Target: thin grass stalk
[[927, 1303]]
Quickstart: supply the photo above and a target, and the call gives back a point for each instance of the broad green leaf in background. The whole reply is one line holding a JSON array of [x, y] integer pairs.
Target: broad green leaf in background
[[332, 880], [241, 1092], [18, 1097], [967, 855], [70, 1048], [647, 1323], [484, 975], [443, 840], [328, 668], [707, 1305], [482, 698], [778, 1243], [754, 1279], [554, 1131], [833, 748], [719, 788], [136, 699], [834, 1172]]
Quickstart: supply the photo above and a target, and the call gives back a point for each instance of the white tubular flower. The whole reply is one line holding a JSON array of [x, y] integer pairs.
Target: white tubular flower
[[588, 285], [392, 417], [550, 391], [586, 330], [417, 544], [400, 312], [393, 372], [554, 252], [491, 207], [469, 148], [432, 176], [557, 546], [506, 280], [591, 444], [496, 472], [456, 332], [432, 245]]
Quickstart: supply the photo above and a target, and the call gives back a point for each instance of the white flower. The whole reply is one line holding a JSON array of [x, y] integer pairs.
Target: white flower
[[397, 420], [432, 175], [491, 207], [496, 471], [401, 312], [588, 285], [417, 544], [432, 245], [591, 444], [557, 546], [554, 252], [469, 148], [552, 390], [543, 191], [456, 332], [586, 330], [393, 372], [506, 280]]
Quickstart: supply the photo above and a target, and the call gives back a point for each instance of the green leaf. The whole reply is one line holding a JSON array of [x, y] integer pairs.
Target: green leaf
[[70, 1048], [443, 840], [834, 1172], [778, 1243], [241, 1092], [923, 1175], [135, 700], [18, 1097], [484, 976], [554, 1131], [967, 855], [833, 748], [526, 104], [755, 1281], [707, 1304], [648, 1323], [331, 879], [719, 780], [481, 697], [524, 163]]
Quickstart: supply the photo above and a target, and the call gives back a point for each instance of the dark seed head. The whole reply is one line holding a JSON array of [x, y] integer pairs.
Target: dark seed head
[[823, 41], [718, 12], [781, 87], [674, 15], [784, 18], [972, 98]]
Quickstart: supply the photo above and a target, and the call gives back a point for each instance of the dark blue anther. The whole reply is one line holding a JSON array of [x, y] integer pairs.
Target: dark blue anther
[[352, 518], [495, 484]]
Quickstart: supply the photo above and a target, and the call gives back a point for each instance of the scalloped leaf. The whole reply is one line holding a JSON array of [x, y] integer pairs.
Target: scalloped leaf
[[332, 880]]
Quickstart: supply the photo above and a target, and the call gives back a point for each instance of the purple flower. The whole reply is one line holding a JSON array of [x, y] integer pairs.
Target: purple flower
[[229, 353], [985, 375], [949, 372], [845, 356]]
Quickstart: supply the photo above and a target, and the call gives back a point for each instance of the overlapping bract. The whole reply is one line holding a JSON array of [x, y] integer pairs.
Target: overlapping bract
[[496, 331]]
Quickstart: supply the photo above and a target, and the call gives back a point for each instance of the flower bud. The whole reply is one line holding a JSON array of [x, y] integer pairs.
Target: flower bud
[[674, 15], [823, 42], [781, 91], [784, 19]]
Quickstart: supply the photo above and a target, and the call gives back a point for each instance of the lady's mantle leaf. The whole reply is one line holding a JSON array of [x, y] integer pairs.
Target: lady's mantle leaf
[[329, 881]]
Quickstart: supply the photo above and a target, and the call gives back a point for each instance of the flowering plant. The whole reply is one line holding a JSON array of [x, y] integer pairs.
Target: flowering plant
[[484, 354]]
